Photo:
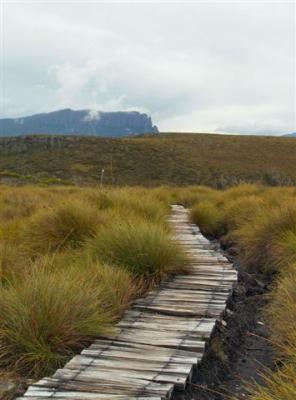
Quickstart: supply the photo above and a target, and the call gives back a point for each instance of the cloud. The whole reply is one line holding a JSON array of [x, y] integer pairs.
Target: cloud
[[93, 115], [192, 66]]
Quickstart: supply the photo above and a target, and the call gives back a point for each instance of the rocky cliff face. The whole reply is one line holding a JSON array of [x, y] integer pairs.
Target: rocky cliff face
[[83, 122]]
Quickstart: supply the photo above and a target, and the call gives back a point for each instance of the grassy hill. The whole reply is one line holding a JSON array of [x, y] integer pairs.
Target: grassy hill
[[178, 159]]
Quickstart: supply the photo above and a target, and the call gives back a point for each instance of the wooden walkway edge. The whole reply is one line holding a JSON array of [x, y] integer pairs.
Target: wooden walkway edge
[[159, 339]]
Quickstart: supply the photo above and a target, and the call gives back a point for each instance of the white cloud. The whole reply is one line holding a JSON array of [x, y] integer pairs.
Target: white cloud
[[192, 66], [93, 115]]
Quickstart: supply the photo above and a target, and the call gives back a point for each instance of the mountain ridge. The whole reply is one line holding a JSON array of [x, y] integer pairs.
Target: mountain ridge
[[79, 122]]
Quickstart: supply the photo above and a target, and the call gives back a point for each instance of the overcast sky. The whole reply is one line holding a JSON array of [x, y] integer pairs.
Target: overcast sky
[[193, 66]]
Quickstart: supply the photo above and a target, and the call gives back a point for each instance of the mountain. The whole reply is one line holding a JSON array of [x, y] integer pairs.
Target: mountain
[[293, 134], [82, 122]]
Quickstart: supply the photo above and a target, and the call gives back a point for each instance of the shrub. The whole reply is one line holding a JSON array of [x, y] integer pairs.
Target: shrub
[[143, 247]]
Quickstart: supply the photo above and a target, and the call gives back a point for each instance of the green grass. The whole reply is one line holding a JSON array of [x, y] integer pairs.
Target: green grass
[[175, 159]]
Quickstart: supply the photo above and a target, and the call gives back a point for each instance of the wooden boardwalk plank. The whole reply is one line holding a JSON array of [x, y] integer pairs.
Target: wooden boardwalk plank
[[159, 339]]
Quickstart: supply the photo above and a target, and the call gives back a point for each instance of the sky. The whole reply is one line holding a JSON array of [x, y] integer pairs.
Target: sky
[[197, 66]]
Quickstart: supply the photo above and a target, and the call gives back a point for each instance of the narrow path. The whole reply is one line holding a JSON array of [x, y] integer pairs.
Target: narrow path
[[159, 339]]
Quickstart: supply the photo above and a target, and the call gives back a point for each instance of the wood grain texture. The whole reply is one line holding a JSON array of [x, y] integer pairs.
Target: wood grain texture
[[160, 338]]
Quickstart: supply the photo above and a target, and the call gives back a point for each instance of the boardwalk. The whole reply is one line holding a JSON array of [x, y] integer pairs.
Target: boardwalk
[[160, 338]]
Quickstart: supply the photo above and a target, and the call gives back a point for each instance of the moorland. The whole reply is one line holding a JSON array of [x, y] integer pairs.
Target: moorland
[[72, 259], [214, 160]]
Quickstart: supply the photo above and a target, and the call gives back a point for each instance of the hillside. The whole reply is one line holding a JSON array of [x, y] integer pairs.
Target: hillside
[[84, 122], [177, 159]]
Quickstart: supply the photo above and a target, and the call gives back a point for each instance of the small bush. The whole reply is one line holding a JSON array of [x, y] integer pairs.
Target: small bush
[[144, 248]]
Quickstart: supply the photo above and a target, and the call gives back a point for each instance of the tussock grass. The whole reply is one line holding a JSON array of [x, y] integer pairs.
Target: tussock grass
[[260, 224], [240, 211], [282, 311], [56, 292], [267, 241], [67, 226], [208, 217], [192, 195], [280, 385], [112, 244], [117, 284], [11, 262], [46, 317], [144, 248]]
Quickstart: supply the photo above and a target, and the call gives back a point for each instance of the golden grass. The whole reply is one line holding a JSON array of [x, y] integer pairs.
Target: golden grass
[[111, 244], [67, 226], [280, 385], [55, 296], [143, 247], [208, 217], [260, 223], [46, 316]]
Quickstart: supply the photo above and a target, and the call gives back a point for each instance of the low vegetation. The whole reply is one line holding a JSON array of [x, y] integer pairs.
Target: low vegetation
[[142, 247], [86, 253], [259, 225], [71, 261], [166, 159]]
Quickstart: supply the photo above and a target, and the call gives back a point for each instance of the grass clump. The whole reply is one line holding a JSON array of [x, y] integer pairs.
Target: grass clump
[[67, 226], [280, 385], [117, 284], [282, 311], [71, 261], [45, 317], [267, 241], [143, 247], [208, 217], [259, 224]]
